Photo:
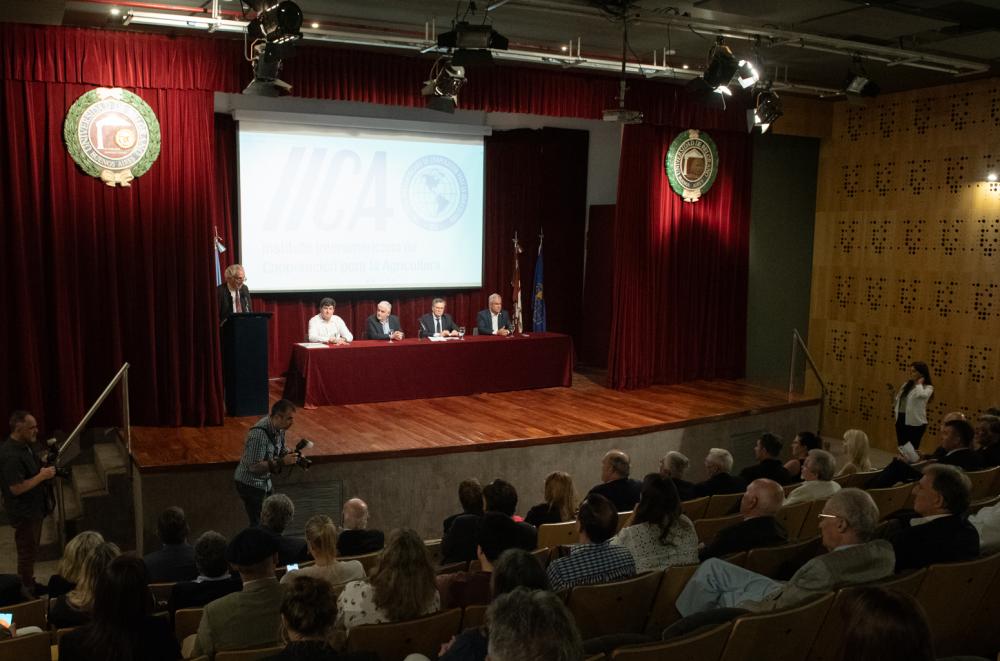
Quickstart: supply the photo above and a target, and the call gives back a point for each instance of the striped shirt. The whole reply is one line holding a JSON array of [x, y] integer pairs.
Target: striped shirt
[[592, 563], [263, 442]]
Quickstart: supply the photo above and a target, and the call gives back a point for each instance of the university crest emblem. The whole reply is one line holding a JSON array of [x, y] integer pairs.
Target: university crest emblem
[[691, 164]]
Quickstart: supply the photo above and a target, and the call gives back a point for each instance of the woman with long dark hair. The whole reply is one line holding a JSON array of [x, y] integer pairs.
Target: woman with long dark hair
[[121, 628], [885, 625], [659, 535], [909, 408]]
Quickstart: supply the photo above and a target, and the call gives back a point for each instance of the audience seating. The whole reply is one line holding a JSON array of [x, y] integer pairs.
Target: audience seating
[[434, 549], [619, 607], [700, 646], [739, 558], [891, 499], [453, 567], [542, 555], [28, 613], [33, 647], [248, 655], [707, 529], [950, 594], [789, 488], [161, 594], [983, 634], [793, 517], [983, 483], [722, 504], [663, 612], [624, 518], [186, 621], [554, 535], [473, 616], [695, 509], [810, 527], [394, 640], [368, 560], [59, 633], [909, 582], [784, 635], [855, 480], [989, 502], [780, 562]]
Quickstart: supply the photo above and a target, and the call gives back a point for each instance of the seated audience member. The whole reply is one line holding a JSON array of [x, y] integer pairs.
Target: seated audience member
[[470, 495], [71, 565], [401, 587], [498, 496], [516, 568], [719, 466], [560, 501], [955, 450], [494, 320], [174, 561], [383, 325], [615, 484], [988, 440], [76, 607], [214, 579], [495, 534], [939, 531], [121, 627], [526, 625], [817, 478], [355, 538], [594, 559], [987, 523], [328, 327], [884, 625], [275, 515], [855, 453], [308, 611], [321, 538], [248, 618], [803, 442], [673, 465], [768, 466], [659, 535], [848, 522], [759, 526]]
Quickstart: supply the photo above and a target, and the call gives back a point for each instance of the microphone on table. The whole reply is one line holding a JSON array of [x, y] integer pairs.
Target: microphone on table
[[423, 332]]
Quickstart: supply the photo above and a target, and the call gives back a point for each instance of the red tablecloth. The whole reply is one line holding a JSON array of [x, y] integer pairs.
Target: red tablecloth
[[380, 371]]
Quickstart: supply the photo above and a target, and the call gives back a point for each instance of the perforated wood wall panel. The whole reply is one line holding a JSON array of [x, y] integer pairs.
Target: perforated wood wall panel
[[907, 255]]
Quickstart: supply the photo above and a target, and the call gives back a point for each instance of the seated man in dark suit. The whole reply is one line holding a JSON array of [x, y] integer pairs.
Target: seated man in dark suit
[[355, 538], [937, 530], [233, 295], [383, 325], [955, 449], [719, 465], [437, 323], [759, 527], [470, 494], [768, 466], [498, 496], [494, 320], [175, 560], [214, 579], [275, 515], [988, 440], [615, 483], [495, 533], [673, 466]]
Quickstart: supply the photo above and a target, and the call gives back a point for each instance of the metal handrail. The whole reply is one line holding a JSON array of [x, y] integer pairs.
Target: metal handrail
[[120, 377], [798, 342]]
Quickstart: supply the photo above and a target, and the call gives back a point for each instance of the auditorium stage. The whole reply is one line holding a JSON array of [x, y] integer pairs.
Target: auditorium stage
[[406, 457]]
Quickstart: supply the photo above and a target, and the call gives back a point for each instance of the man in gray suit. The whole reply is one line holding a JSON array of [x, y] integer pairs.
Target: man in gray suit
[[848, 523], [494, 320]]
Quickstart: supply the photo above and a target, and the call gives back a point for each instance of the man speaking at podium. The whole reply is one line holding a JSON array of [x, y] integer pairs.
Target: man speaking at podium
[[233, 295]]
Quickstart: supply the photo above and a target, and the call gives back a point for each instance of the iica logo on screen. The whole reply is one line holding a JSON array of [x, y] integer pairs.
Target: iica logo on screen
[[434, 192]]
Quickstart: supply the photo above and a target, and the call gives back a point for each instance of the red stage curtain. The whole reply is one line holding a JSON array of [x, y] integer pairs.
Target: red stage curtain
[[535, 179], [680, 268]]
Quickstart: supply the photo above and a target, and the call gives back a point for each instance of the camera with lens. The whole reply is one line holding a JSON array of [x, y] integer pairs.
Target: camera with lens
[[52, 456], [301, 460]]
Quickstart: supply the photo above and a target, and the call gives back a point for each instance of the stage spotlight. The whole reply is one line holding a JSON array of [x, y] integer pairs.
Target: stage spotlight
[[274, 30], [858, 83], [442, 88], [766, 111], [281, 22], [747, 74], [266, 67], [472, 43], [713, 86]]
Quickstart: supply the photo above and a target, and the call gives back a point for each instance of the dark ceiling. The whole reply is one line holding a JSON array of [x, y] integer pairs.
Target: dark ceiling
[[968, 31]]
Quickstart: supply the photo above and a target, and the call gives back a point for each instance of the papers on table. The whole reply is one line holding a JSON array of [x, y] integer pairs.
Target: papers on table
[[313, 345], [438, 338]]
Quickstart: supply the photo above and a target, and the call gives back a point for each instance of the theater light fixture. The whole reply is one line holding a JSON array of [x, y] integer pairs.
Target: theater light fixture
[[766, 111], [280, 22], [747, 74], [471, 44], [273, 32], [858, 83], [713, 86], [441, 89]]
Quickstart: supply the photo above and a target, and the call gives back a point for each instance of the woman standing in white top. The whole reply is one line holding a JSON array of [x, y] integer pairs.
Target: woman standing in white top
[[660, 535], [910, 410], [321, 538]]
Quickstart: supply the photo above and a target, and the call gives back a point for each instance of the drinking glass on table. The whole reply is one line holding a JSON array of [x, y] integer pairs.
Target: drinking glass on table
[[461, 332]]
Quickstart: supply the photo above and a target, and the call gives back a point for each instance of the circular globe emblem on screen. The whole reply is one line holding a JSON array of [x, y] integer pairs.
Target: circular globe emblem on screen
[[113, 134], [435, 192], [691, 164]]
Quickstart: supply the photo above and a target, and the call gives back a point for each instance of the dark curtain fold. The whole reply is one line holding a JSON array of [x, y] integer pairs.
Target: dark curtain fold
[[680, 268]]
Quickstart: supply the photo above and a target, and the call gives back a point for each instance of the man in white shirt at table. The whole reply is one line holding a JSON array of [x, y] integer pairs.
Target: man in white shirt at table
[[494, 320], [328, 327]]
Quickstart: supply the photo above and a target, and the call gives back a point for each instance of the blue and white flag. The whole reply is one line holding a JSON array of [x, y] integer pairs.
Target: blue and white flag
[[538, 309], [218, 250]]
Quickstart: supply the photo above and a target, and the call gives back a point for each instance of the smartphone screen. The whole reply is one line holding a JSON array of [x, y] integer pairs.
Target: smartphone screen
[[6, 619], [292, 567]]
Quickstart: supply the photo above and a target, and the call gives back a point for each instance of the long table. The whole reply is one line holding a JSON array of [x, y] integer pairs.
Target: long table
[[380, 371]]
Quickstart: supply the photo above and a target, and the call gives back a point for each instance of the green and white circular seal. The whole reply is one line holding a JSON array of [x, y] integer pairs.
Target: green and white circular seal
[[113, 134], [691, 164]]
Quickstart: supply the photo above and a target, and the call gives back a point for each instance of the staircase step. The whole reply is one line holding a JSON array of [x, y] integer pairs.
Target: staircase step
[[109, 458], [87, 481], [72, 501]]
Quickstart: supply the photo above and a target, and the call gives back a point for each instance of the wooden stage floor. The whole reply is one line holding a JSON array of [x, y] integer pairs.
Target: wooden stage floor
[[444, 425]]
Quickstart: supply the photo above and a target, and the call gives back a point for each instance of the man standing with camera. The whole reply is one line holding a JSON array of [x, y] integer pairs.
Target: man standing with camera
[[264, 454], [24, 498]]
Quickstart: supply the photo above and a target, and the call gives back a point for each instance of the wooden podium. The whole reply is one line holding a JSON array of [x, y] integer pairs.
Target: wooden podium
[[244, 363]]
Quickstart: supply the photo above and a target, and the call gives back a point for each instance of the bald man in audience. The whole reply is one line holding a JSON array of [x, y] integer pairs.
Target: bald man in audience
[[355, 538], [759, 526], [616, 485], [847, 524]]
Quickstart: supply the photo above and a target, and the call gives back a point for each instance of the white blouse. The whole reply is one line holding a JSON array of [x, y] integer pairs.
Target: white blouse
[[643, 540]]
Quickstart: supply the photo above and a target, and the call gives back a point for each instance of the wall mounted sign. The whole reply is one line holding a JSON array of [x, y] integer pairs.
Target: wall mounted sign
[[113, 134], [691, 164]]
